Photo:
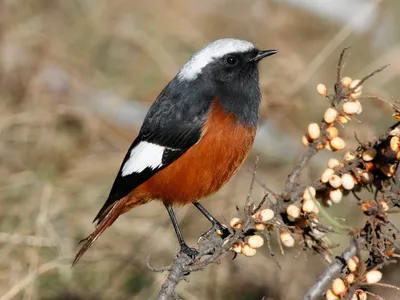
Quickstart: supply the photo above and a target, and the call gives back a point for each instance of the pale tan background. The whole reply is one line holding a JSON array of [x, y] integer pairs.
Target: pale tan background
[[76, 78]]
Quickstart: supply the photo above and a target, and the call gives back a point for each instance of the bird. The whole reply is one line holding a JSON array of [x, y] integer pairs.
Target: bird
[[194, 138]]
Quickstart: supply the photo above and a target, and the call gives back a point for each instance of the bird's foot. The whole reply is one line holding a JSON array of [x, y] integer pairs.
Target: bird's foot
[[191, 252]]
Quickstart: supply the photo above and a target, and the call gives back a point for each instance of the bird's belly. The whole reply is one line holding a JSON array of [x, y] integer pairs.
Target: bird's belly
[[206, 166]]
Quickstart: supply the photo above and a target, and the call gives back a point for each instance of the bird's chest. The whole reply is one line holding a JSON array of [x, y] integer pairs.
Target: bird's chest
[[209, 164]]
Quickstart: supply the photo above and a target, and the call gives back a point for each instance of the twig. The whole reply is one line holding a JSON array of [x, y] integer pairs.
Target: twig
[[247, 208], [369, 75], [338, 86], [383, 285], [295, 174]]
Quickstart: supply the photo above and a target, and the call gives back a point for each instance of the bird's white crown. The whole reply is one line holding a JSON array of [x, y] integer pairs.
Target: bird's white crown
[[212, 51]]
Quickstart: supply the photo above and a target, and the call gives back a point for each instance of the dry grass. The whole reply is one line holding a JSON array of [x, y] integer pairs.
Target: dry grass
[[58, 159]]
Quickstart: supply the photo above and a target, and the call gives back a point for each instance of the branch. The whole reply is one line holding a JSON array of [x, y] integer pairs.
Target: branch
[[331, 272]]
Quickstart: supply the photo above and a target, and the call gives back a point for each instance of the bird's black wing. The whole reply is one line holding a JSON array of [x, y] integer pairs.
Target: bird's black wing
[[171, 127]]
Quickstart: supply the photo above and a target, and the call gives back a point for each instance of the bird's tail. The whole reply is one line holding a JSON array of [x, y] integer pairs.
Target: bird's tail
[[114, 212]]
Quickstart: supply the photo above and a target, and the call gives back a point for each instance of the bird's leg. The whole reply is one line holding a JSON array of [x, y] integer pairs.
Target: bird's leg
[[191, 252], [216, 225]]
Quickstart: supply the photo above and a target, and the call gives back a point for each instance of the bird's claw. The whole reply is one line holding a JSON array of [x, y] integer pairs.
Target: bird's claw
[[190, 252]]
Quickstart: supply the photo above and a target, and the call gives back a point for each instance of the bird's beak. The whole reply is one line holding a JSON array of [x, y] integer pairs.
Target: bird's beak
[[263, 53]]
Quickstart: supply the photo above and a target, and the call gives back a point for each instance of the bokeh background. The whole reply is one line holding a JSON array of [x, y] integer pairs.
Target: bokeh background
[[76, 78]]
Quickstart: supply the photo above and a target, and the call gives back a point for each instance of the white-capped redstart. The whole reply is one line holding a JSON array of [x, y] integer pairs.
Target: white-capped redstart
[[195, 136]]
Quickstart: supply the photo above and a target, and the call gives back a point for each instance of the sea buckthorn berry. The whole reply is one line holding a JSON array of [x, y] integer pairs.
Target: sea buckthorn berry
[[362, 295], [286, 239], [333, 162], [255, 241], [314, 131], [346, 81], [354, 83], [330, 295], [352, 263], [293, 211], [330, 115], [349, 156], [237, 247], [369, 154], [321, 89], [236, 223], [395, 143], [373, 276], [342, 119], [388, 170], [309, 193], [337, 143], [331, 133], [248, 251], [366, 177], [335, 181], [351, 108], [338, 287], [264, 215], [326, 175], [308, 206], [384, 205], [305, 141], [350, 278], [335, 196], [259, 226], [347, 181]]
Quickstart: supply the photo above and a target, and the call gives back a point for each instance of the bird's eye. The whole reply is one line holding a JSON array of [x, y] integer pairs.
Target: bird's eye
[[231, 60]]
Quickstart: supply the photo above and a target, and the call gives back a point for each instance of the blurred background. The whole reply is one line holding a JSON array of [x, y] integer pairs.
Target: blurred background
[[76, 79]]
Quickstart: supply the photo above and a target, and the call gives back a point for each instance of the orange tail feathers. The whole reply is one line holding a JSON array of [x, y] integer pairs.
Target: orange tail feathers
[[116, 210]]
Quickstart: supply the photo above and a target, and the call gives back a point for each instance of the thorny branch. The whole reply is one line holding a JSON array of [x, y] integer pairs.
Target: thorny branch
[[376, 238]]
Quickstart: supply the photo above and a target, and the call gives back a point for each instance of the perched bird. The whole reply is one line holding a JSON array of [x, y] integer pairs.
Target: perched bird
[[194, 138]]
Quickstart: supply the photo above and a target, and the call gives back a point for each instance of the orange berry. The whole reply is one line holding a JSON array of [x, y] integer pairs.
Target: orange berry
[[248, 251], [337, 143], [330, 115], [369, 154], [321, 89], [346, 81], [314, 131], [255, 241], [373, 276], [338, 287], [331, 133]]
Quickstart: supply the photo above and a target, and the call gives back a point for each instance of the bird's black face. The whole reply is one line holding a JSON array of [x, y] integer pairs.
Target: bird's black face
[[230, 68], [236, 68]]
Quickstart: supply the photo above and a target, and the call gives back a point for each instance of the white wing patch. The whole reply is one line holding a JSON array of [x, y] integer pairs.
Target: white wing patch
[[210, 52], [144, 155]]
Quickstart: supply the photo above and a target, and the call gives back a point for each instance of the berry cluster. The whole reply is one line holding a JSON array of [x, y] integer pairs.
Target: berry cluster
[[250, 243], [352, 278]]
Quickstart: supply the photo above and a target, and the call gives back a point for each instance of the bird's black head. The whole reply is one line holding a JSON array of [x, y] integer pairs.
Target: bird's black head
[[228, 69]]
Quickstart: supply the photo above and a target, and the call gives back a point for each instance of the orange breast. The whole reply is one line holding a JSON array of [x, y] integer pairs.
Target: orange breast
[[205, 167]]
